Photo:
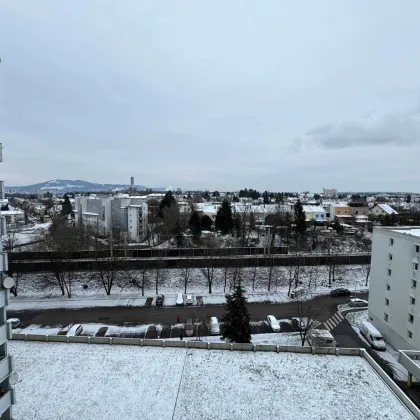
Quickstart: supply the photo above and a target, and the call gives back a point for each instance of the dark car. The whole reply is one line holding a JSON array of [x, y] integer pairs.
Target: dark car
[[340, 292], [159, 300]]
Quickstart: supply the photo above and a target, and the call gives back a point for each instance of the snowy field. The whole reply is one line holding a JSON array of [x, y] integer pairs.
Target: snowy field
[[75, 381], [44, 292]]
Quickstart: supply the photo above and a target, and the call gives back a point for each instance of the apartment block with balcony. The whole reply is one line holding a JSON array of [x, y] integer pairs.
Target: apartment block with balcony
[[394, 298], [7, 393]]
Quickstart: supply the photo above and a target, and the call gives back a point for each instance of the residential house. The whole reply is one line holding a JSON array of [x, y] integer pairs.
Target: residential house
[[382, 210], [316, 213], [340, 210], [359, 207]]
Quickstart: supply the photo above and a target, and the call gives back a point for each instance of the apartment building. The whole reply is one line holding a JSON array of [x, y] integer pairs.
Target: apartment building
[[7, 395], [394, 298], [106, 213]]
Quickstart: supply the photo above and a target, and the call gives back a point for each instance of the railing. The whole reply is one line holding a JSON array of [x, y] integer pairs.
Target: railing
[[187, 344]]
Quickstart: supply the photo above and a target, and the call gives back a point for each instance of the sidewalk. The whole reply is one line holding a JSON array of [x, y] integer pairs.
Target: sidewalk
[[31, 303]]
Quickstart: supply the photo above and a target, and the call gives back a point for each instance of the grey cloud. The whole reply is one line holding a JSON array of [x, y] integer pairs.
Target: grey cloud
[[400, 129]]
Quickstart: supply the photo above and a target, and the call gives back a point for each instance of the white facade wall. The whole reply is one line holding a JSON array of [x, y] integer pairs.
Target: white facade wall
[[6, 362], [137, 221], [391, 306]]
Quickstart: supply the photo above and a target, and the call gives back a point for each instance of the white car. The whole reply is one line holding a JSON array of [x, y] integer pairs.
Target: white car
[[76, 329], [273, 323], [179, 299], [189, 300], [358, 302], [214, 326]]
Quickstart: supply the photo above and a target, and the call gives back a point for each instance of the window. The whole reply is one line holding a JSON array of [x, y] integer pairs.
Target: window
[[415, 266], [414, 284], [412, 300], [409, 334], [389, 257], [410, 318], [388, 287], [389, 272], [391, 241], [417, 248], [386, 302], [386, 317]]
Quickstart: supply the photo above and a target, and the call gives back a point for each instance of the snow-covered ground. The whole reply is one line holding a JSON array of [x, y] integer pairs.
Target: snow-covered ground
[[130, 382], [42, 291]]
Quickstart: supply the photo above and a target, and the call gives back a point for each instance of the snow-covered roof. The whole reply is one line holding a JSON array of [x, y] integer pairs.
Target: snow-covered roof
[[11, 212], [339, 204], [409, 231], [313, 209], [387, 208], [223, 382]]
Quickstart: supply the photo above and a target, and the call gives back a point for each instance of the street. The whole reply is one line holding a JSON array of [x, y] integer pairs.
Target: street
[[166, 317]]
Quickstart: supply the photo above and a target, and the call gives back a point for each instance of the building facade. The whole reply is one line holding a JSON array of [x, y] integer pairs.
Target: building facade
[[316, 213], [107, 213], [382, 210], [394, 298], [7, 393]]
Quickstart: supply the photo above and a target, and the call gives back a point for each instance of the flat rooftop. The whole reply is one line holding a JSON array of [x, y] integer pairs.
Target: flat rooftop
[[414, 231], [107, 382]]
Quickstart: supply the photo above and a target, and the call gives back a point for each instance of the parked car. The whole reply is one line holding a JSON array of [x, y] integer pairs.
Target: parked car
[[75, 329], [14, 321], [160, 299], [179, 299], [214, 326], [358, 302], [189, 300], [340, 292], [273, 323], [372, 336], [189, 327], [300, 324]]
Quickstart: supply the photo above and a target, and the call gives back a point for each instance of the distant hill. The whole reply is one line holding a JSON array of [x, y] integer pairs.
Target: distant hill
[[66, 185]]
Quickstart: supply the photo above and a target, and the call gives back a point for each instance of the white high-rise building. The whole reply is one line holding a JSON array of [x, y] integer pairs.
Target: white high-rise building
[[7, 396], [394, 291]]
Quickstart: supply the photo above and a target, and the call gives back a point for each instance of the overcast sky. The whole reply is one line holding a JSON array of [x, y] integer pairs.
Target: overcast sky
[[269, 94]]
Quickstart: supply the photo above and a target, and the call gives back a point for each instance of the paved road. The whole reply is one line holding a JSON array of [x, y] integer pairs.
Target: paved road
[[346, 336], [167, 315]]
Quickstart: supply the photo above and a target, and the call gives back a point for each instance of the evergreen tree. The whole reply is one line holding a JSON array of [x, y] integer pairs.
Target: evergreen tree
[[195, 224], [5, 207], [236, 320], [206, 195], [235, 199], [266, 198], [216, 194], [206, 222], [300, 218], [408, 199], [167, 202], [224, 218], [66, 207]]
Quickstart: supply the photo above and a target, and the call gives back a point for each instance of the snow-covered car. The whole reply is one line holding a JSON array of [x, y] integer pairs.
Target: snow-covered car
[[214, 326], [14, 321], [159, 300], [76, 329], [189, 327], [179, 299], [273, 323], [189, 300], [358, 302]]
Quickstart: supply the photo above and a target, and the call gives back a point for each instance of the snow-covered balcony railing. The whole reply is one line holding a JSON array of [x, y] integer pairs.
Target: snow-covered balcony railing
[[6, 367]]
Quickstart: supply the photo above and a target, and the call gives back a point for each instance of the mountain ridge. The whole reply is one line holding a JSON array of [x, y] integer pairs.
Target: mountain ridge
[[69, 185]]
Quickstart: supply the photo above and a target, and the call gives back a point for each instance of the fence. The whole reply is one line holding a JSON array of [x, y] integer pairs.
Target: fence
[[38, 266], [146, 253], [187, 344]]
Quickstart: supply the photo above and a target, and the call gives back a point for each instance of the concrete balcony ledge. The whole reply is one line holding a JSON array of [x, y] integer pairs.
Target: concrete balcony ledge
[[6, 367]]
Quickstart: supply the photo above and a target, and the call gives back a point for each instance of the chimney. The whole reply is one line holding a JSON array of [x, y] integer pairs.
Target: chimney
[[132, 183]]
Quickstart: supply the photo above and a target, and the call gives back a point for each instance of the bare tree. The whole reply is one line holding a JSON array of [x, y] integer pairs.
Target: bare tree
[[332, 247], [245, 221], [160, 273], [272, 269], [186, 275], [254, 273], [10, 241], [209, 271], [307, 314]]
